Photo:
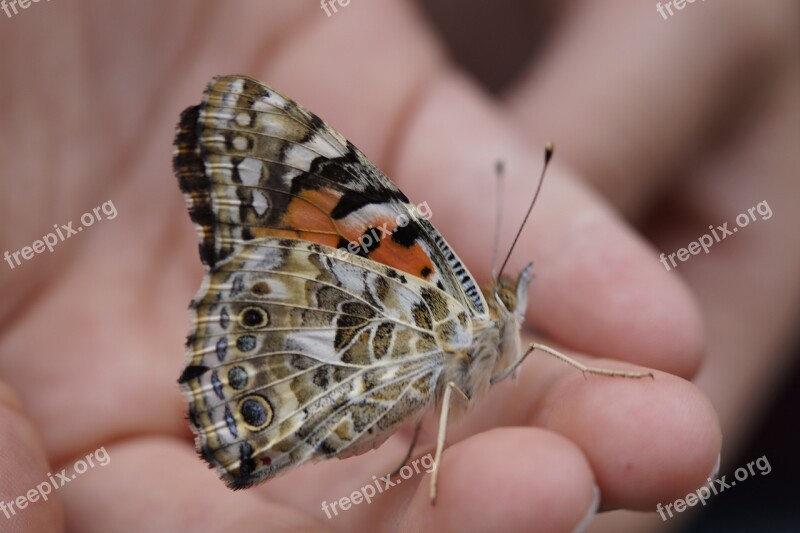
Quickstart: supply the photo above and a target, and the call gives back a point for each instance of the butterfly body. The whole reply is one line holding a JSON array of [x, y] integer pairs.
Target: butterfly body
[[305, 345]]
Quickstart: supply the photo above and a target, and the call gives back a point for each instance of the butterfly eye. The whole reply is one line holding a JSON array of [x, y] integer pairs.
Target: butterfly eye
[[256, 412], [507, 298], [253, 318]]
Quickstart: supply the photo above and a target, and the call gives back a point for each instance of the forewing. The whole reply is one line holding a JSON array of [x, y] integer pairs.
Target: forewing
[[255, 164]]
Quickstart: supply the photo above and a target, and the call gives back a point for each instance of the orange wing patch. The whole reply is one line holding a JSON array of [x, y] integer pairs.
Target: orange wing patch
[[374, 239], [308, 217]]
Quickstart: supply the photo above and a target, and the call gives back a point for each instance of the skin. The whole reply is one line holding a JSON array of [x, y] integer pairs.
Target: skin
[[92, 335]]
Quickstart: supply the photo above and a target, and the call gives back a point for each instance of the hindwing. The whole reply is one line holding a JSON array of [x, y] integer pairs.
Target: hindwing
[[300, 353]]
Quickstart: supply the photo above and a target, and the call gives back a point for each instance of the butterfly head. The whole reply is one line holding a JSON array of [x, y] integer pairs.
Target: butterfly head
[[510, 296], [507, 300]]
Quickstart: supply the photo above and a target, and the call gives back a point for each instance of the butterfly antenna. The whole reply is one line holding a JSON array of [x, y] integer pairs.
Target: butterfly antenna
[[548, 155], [499, 172]]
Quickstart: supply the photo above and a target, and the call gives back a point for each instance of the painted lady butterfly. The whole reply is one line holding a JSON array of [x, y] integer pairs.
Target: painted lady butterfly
[[301, 350]]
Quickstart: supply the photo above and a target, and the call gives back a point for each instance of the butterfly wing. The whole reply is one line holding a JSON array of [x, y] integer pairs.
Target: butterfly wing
[[255, 164], [300, 353]]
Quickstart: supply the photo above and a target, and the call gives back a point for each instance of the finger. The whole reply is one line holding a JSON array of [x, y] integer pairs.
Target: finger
[[647, 440], [597, 287], [628, 116], [28, 501], [509, 479], [156, 484]]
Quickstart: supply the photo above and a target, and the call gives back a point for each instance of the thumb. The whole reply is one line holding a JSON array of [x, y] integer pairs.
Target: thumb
[[27, 498]]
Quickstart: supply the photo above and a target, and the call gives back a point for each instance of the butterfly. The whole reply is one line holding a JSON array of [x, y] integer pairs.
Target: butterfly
[[331, 310]]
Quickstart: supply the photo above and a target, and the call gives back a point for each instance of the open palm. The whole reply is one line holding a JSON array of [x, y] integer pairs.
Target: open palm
[[93, 333]]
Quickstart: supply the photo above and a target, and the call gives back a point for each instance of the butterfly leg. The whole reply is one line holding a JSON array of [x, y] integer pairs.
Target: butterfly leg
[[410, 449], [449, 388], [570, 361]]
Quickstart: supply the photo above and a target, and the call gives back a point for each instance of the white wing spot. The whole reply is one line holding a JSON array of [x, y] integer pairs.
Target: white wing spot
[[250, 170], [260, 203], [243, 119], [240, 143]]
